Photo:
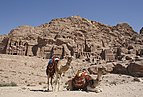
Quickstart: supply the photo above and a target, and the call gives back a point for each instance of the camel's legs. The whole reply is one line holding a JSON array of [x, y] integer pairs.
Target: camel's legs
[[48, 82], [56, 81], [51, 82], [59, 81]]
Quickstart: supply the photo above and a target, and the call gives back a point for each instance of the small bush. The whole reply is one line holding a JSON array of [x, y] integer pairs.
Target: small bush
[[12, 84], [28, 84], [113, 83], [40, 83]]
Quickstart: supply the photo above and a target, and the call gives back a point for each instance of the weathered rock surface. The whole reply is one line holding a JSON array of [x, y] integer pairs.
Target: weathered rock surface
[[78, 37], [141, 31], [135, 68], [75, 30], [120, 68]]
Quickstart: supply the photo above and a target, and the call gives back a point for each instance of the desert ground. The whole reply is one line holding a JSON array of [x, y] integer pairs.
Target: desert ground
[[28, 73]]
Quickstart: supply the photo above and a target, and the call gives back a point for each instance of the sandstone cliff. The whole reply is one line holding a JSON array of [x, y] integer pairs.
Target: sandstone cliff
[[73, 32]]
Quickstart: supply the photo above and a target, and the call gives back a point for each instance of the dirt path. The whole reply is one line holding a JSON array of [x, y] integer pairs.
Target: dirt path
[[133, 89]]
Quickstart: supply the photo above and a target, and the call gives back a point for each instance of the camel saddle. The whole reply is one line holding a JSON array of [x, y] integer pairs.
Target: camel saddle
[[80, 81]]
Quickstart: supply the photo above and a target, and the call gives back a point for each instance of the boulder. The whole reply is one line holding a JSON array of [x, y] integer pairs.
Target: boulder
[[135, 69], [94, 69], [119, 69]]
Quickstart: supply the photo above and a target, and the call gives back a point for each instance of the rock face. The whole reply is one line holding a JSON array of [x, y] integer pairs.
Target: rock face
[[120, 69], [74, 36], [141, 31], [3, 43], [91, 41], [136, 68]]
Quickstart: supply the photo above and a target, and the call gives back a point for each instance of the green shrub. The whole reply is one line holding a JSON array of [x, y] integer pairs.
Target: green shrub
[[12, 84]]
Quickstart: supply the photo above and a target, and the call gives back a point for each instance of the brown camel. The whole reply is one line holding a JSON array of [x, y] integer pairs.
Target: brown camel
[[51, 69], [86, 82]]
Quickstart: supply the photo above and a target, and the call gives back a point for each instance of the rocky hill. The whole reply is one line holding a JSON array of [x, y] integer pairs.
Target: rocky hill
[[25, 51], [76, 29], [74, 34]]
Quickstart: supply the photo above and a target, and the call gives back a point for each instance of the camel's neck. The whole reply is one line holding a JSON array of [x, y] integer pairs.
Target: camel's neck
[[99, 76], [68, 62], [64, 68]]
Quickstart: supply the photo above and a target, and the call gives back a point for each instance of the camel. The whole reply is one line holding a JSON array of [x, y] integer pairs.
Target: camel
[[62, 66], [50, 71], [86, 82]]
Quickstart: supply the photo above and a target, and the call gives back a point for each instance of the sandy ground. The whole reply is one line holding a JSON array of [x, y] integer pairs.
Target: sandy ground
[[29, 74], [133, 89]]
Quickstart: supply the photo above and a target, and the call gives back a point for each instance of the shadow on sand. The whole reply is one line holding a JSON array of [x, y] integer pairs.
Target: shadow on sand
[[40, 90]]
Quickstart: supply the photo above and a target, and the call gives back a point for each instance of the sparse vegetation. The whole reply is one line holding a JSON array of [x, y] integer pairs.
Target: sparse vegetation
[[44, 87], [25, 63], [113, 83], [28, 84], [12, 84], [40, 83]]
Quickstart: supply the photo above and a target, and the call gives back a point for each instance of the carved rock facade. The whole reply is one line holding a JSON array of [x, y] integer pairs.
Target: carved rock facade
[[72, 36]]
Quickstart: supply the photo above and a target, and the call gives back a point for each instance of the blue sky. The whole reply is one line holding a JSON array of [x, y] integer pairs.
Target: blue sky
[[15, 13]]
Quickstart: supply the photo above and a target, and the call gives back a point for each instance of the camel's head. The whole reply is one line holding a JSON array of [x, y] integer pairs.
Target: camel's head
[[56, 60], [101, 70]]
